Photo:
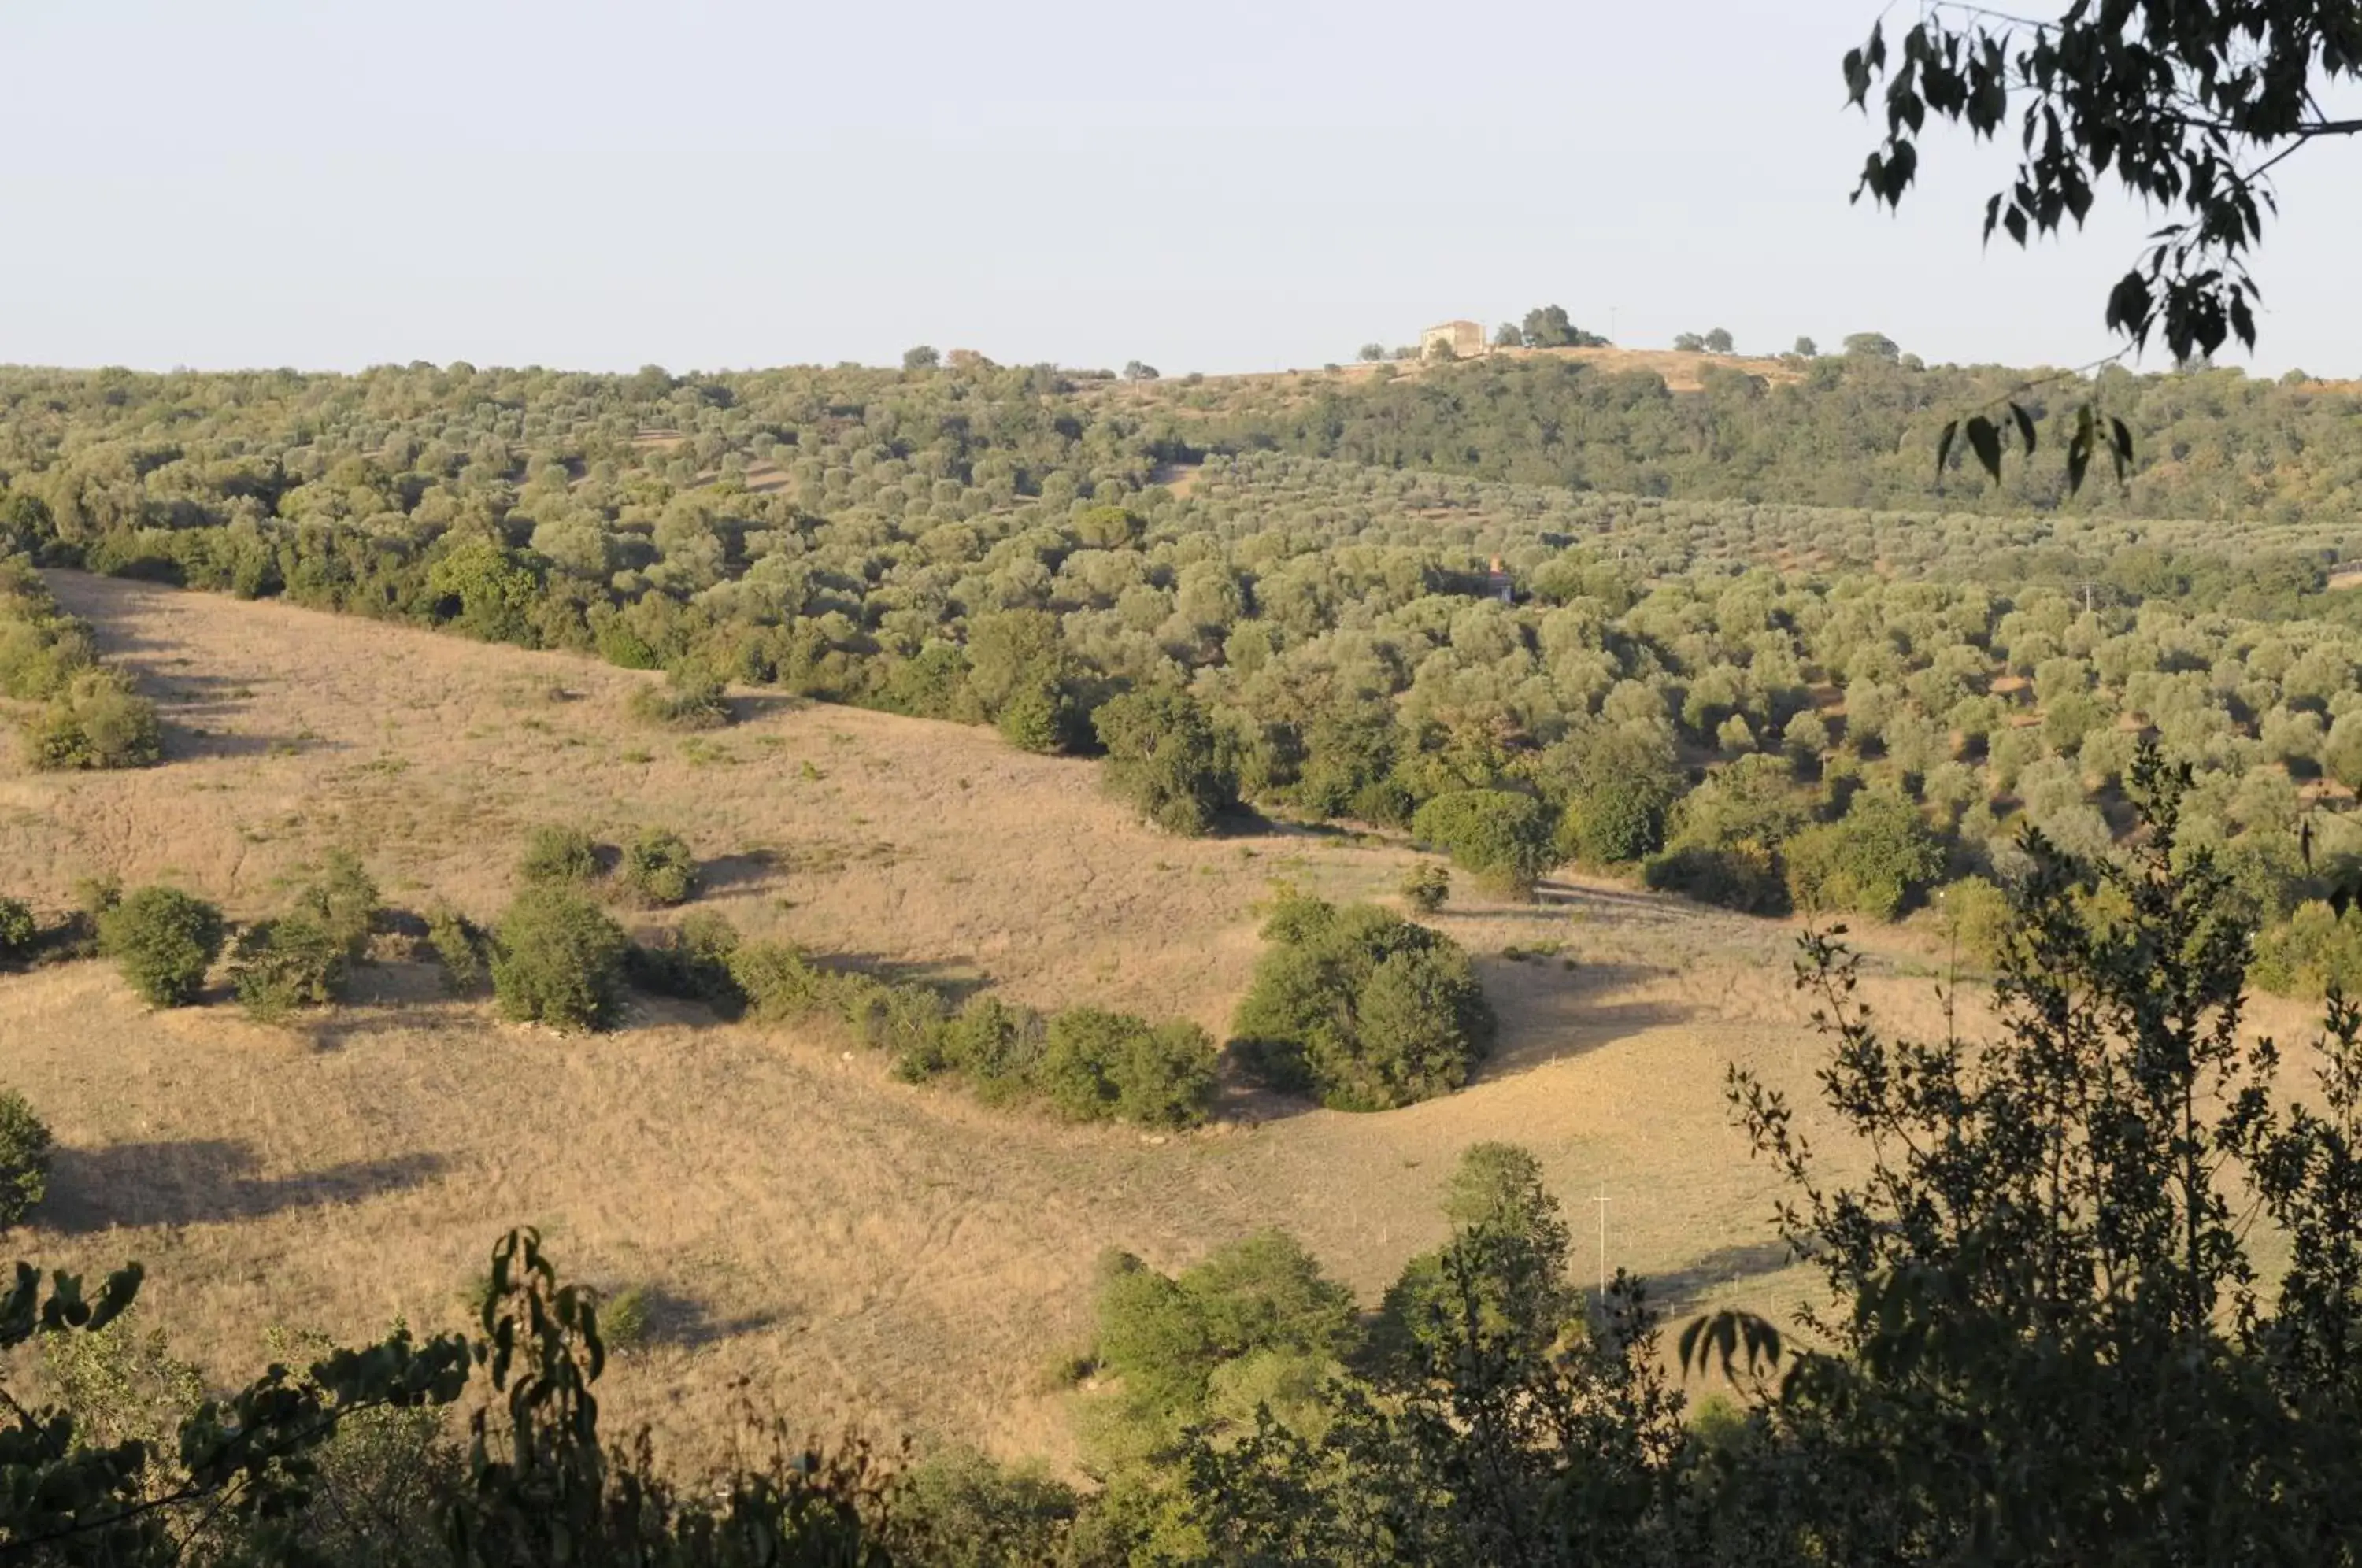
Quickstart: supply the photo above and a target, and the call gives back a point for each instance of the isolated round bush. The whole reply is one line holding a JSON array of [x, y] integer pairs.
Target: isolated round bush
[[557, 959], [554, 852], [164, 941], [1361, 1008], [658, 868], [18, 930], [24, 1159]]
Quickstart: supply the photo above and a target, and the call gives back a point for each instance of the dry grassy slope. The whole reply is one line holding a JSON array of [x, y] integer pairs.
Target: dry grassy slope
[[843, 1246]]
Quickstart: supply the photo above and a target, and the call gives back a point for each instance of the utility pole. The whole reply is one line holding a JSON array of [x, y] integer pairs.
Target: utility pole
[[1600, 1203]]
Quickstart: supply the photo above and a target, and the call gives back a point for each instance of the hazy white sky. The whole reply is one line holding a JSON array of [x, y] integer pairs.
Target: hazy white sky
[[1232, 184]]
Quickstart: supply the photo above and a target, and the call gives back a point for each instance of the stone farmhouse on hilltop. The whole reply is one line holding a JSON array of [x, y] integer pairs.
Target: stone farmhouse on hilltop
[[1464, 339]]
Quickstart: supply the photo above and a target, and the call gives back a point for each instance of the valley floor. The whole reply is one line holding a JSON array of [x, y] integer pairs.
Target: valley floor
[[822, 1240]]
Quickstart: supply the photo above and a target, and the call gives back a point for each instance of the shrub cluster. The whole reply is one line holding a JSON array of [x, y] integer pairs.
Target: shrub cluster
[[1087, 1064], [691, 962], [1360, 1007], [688, 700], [1502, 837], [654, 870], [90, 715], [304, 957]]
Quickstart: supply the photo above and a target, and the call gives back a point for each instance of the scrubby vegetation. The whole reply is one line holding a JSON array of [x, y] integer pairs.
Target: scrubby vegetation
[[691, 961], [1766, 570], [88, 716], [1249, 1409], [1084, 1062], [657, 869], [1426, 886], [558, 855], [164, 941], [557, 959], [461, 947], [303, 957], [18, 930], [1360, 1008], [688, 700], [343, 1455], [25, 1145]]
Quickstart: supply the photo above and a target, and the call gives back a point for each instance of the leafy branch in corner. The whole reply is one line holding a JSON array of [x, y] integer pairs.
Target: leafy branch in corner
[[2189, 106]]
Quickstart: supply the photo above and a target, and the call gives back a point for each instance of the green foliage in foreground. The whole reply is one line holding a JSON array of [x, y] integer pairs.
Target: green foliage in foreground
[[164, 941], [344, 1463], [2047, 1335], [1360, 1007]]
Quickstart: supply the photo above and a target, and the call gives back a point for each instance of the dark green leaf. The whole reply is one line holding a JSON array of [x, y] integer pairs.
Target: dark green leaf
[[1985, 440]]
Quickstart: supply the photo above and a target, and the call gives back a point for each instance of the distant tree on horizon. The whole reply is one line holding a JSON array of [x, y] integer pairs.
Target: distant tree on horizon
[[1548, 327]]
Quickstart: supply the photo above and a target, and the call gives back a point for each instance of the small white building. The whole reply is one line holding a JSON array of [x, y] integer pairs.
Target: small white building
[[1464, 339]]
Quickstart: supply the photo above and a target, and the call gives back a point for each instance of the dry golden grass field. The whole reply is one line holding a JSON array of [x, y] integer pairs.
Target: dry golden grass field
[[822, 1240]]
